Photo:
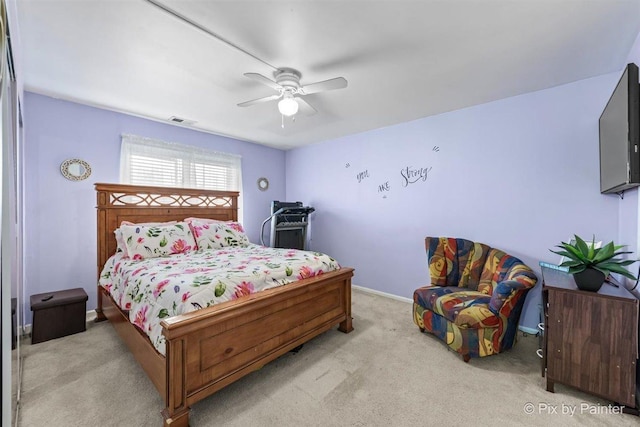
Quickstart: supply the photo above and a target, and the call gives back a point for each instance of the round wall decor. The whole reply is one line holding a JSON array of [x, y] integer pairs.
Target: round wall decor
[[263, 184], [75, 169]]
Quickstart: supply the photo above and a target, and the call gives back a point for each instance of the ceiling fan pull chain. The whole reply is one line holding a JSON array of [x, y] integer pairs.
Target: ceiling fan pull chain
[[282, 115]]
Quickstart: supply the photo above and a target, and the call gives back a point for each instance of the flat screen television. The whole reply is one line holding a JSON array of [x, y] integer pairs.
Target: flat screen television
[[620, 136]]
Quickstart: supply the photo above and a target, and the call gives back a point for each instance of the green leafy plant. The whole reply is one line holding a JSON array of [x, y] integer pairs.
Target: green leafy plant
[[582, 255]]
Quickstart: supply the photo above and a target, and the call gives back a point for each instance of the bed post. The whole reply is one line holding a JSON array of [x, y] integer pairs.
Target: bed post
[[102, 199], [176, 414], [346, 325], [100, 317]]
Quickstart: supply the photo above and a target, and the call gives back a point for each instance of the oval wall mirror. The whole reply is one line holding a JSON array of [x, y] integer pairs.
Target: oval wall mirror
[[263, 184], [75, 169]]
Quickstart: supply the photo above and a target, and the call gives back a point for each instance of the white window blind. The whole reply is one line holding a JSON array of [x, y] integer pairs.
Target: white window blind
[[146, 161]]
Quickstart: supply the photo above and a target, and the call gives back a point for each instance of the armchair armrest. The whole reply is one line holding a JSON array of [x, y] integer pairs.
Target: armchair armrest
[[503, 291], [508, 292]]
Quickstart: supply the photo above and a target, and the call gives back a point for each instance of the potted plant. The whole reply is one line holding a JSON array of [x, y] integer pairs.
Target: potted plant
[[589, 265]]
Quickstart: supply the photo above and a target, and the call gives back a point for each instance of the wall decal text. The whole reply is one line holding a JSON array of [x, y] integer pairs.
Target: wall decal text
[[411, 175], [362, 175], [384, 187]]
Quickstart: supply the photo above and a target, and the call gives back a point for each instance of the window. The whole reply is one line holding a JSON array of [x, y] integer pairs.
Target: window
[[146, 161]]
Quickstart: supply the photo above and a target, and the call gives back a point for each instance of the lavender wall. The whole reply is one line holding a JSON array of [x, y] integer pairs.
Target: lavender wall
[[520, 174], [60, 223]]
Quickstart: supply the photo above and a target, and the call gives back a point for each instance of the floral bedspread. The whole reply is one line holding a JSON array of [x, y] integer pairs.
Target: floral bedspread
[[156, 288]]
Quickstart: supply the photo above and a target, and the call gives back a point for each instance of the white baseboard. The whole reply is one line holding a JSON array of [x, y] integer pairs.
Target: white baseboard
[[527, 330], [382, 294], [90, 316]]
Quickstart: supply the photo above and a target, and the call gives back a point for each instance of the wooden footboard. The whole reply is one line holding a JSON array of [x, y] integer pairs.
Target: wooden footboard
[[210, 348]]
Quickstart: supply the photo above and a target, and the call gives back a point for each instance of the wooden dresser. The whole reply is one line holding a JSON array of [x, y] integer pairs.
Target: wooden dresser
[[590, 339]]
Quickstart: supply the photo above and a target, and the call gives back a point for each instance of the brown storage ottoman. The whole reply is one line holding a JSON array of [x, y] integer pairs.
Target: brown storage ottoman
[[57, 314]]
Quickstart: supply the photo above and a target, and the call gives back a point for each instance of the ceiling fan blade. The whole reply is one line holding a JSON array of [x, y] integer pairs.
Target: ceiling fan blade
[[331, 84], [262, 79], [259, 101], [304, 107]]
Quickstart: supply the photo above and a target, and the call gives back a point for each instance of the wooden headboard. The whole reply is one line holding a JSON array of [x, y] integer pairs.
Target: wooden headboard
[[119, 202]]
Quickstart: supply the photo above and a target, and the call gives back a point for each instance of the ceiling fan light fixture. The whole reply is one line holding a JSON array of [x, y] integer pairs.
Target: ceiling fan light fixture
[[288, 105]]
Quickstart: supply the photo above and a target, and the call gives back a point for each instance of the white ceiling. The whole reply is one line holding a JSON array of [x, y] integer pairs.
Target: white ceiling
[[403, 59]]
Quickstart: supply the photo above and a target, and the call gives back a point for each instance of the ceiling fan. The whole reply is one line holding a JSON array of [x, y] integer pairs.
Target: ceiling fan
[[290, 91]]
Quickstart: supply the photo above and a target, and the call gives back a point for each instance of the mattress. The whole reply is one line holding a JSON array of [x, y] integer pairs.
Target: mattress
[[151, 290]]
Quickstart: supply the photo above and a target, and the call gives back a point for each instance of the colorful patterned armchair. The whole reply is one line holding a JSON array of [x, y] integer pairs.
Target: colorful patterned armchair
[[475, 298]]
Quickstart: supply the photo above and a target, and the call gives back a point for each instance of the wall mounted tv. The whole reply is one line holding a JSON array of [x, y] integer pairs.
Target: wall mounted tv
[[620, 136]]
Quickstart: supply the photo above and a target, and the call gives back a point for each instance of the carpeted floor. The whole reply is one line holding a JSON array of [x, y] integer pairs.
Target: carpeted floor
[[384, 373]]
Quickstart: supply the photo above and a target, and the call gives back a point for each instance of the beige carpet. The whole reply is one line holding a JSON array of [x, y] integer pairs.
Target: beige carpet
[[385, 373]]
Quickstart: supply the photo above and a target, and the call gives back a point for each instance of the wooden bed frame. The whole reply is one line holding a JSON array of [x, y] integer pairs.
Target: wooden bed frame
[[210, 348]]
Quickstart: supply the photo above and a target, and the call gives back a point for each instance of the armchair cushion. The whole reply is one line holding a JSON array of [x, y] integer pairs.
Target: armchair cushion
[[467, 309]]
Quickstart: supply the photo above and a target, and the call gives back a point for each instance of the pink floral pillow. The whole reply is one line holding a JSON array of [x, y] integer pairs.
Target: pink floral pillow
[[217, 235], [122, 247], [150, 241]]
